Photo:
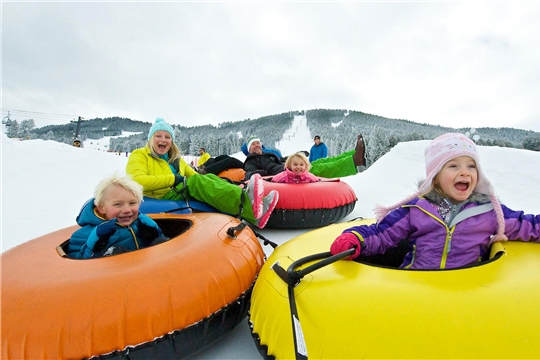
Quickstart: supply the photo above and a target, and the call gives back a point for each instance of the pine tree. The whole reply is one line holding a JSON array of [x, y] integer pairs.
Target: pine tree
[[379, 144], [532, 143], [26, 127], [13, 130]]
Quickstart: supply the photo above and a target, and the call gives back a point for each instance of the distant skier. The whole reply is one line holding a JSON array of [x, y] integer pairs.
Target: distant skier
[[318, 150], [204, 157]]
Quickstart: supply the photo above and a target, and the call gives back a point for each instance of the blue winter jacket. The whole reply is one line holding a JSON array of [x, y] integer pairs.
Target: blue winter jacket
[[81, 244], [318, 152], [436, 245]]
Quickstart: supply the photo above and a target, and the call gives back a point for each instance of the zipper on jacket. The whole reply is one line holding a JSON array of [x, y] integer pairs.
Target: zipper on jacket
[[134, 237], [413, 257], [447, 246], [447, 241]]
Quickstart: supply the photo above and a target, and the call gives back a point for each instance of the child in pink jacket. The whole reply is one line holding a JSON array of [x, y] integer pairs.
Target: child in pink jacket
[[296, 171]]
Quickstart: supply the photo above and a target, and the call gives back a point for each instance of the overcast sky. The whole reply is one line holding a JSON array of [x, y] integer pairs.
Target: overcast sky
[[453, 64]]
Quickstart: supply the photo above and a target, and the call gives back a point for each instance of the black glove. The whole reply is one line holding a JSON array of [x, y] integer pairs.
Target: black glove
[[147, 231], [178, 179], [104, 231]]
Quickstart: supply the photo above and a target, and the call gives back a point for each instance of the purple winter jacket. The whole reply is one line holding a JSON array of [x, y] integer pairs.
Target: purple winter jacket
[[435, 245], [290, 177]]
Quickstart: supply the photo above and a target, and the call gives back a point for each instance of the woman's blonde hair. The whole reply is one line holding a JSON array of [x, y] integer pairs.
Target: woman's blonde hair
[[117, 179], [300, 155], [174, 151]]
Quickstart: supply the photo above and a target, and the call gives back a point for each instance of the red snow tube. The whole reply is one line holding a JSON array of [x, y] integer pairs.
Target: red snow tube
[[310, 205]]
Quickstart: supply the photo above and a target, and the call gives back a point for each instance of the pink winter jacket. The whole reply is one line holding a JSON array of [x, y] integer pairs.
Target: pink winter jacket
[[289, 177]]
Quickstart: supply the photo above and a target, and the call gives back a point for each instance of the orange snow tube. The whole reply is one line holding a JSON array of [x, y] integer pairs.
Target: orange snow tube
[[235, 174], [166, 301]]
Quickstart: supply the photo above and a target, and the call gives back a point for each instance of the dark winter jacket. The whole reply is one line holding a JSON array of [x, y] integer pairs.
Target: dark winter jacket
[[138, 235], [265, 164], [221, 163], [461, 240], [318, 152]]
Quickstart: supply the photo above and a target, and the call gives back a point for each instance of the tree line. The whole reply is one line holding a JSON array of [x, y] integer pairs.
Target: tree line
[[338, 129]]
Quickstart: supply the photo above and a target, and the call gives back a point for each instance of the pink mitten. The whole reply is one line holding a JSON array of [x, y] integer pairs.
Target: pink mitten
[[345, 242]]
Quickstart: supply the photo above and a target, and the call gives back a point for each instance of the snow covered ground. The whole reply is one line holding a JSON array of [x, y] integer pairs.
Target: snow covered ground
[[45, 183], [103, 143]]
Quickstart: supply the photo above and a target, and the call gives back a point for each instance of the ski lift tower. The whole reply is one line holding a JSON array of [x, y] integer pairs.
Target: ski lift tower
[[76, 141]]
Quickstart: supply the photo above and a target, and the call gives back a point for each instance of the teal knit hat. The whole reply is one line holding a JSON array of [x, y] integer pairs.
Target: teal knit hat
[[160, 124]]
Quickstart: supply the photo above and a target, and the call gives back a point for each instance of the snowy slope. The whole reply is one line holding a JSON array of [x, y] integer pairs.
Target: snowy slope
[[297, 138], [44, 184]]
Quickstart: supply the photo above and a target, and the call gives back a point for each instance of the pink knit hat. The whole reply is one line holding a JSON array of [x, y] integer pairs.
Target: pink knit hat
[[447, 147], [441, 150]]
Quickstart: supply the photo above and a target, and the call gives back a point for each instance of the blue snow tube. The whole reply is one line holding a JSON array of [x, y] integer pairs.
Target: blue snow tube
[[157, 206]]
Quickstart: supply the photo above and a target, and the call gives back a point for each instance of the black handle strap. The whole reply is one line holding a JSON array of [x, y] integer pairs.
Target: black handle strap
[[265, 240], [292, 278], [177, 209], [241, 206], [183, 191], [232, 231]]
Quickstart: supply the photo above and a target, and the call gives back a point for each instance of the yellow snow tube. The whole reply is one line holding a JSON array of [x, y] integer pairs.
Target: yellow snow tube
[[351, 310]]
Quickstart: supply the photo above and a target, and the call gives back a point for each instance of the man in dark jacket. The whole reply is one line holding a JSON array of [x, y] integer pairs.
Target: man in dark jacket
[[265, 163]]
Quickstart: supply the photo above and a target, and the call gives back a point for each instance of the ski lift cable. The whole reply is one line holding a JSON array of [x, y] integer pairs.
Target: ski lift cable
[[39, 115]]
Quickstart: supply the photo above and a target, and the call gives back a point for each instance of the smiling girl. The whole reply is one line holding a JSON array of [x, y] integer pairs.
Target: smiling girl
[[162, 172], [450, 221], [296, 171]]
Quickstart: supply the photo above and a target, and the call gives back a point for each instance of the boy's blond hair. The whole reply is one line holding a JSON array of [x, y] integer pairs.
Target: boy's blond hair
[[117, 179], [298, 155]]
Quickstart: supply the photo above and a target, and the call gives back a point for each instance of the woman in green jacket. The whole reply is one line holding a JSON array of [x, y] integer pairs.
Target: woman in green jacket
[[163, 174]]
